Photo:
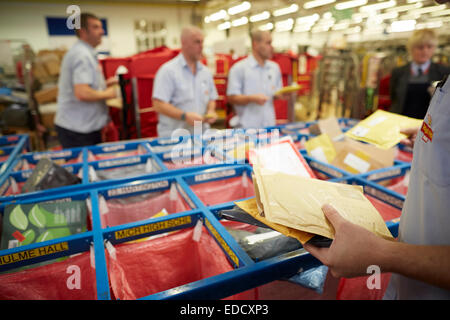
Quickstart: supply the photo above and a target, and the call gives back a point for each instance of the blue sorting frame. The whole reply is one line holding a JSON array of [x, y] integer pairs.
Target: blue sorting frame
[[246, 273]]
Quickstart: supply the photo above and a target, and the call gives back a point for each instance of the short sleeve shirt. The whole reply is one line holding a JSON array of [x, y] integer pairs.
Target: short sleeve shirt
[[80, 66], [248, 77], [176, 84]]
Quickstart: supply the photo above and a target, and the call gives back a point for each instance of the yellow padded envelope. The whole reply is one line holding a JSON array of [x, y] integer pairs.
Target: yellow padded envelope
[[382, 129], [296, 202], [251, 208]]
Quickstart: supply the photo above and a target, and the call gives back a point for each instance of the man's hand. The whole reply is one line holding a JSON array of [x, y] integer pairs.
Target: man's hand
[[112, 81], [259, 98], [412, 134], [352, 250], [193, 116], [210, 117]]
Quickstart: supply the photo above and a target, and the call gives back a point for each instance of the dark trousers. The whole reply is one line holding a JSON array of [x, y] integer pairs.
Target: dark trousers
[[72, 139]]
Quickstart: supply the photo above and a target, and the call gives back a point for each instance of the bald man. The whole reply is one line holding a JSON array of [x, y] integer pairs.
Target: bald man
[[252, 84], [184, 90]]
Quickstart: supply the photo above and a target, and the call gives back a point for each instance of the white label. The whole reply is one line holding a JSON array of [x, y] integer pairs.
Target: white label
[[13, 244], [360, 131], [14, 187], [197, 231], [173, 195], [148, 166], [376, 121], [103, 207], [92, 174], [111, 250], [245, 180], [357, 163], [92, 256], [88, 204], [318, 154]]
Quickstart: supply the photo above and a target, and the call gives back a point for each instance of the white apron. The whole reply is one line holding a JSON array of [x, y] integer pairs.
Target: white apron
[[425, 216]]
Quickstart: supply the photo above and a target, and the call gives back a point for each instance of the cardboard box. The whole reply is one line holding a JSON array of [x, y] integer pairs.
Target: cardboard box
[[357, 157], [329, 126], [46, 95]]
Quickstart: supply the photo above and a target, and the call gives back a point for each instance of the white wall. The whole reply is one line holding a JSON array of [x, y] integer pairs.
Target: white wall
[[26, 21]]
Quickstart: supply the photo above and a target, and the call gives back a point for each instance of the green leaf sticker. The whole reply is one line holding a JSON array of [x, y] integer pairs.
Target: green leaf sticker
[[46, 235], [36, 217], [60, 232], [54, 219], [18, 218], [29, 237]]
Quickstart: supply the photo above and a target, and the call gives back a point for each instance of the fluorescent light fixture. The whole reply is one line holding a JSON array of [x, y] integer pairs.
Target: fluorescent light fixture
[[224, 25], [317, 3], [403, 26], [303, 28], [239, 22], [429, 25], [308, 19], [291, 9], [340, 26], [350, 4], [327, 15], [266, 27], [440, 13], [318, 29], [406, 7], [260, 16], [244, 6], [384, 16], [353, 30], [378, 6], [222, 14], [284, 25], [428, 9], [414, 1]]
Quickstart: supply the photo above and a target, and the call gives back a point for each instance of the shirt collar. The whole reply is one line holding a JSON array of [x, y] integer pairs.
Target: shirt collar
[[254, 63], [415, 67], [90, 48], [184, 64]]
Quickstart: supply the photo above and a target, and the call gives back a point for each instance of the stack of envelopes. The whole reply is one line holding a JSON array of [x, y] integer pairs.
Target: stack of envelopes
[[291, 204]]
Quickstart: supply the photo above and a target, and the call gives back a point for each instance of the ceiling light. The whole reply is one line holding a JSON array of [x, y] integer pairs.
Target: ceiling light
[[266, 27], [239, 22], [429, 25], [378, 6], [340, 26], [402, 26], [406, 7], [441, 13], [260, 16], [308, 19], [317, 3], [244, 6], [353, 30], [291, 9], [428, 9], [222, 14], [284, 25], [350, 4], [224, 26]]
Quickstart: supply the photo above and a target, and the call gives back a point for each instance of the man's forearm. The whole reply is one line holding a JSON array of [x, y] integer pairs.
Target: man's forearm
[[430, 264], [87, 94], [167, 109], [211, 107], [240, 99]]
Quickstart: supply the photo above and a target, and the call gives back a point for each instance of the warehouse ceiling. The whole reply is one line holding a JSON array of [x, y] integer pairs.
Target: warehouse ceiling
[[329, 15]]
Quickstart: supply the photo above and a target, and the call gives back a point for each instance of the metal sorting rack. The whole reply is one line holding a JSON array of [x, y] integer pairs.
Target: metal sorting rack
[[246, 273]]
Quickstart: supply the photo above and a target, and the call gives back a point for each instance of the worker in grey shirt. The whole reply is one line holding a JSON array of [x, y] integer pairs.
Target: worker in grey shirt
[[82, 89], [253, 82], [184, 90]]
